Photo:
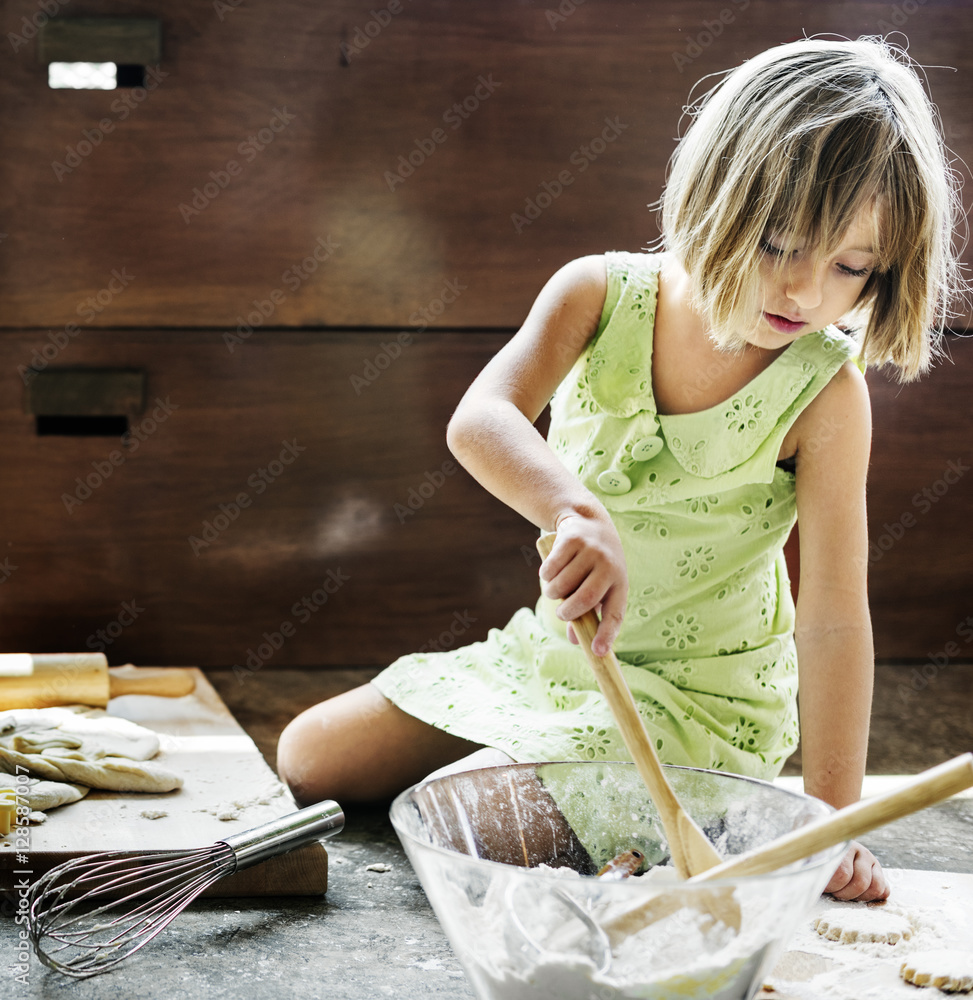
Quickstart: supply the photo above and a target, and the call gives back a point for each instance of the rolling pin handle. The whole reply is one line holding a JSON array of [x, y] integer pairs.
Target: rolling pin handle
[[165, 682]]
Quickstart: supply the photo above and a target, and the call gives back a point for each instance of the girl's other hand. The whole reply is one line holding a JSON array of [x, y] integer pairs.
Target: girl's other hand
[[859, 877], [586, 571]]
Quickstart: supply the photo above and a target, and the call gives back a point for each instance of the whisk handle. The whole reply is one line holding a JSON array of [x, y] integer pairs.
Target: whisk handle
[[279, 836]]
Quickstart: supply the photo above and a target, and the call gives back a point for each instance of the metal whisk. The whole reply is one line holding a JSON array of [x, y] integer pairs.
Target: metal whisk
[[87, 915]]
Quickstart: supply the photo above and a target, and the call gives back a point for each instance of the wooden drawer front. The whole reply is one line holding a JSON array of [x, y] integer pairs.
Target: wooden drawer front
[[292, 502], [465, 142]]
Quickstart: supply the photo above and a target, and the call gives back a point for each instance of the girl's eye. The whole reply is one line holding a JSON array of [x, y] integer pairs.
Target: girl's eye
[[769, 248], [853, 272]]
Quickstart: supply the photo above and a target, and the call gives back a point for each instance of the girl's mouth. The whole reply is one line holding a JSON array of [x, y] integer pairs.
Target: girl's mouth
[[782, 324]]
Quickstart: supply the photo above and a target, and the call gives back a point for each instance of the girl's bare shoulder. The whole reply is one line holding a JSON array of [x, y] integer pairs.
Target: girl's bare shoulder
[[837, 423], [847, 391], [568, 309], [583, 280]]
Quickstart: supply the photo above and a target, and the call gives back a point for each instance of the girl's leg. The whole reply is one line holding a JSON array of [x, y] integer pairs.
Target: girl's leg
[[359, 747]]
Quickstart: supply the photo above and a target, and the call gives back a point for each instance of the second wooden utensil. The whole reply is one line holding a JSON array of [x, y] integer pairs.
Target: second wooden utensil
[[916, 793]]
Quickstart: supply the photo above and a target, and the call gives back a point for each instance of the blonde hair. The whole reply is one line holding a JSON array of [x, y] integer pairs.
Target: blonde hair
[[801, 139]]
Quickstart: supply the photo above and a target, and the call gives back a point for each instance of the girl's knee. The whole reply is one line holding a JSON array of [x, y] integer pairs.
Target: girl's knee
[[315, 749], [359, 747], [298, 759], [348, 748]]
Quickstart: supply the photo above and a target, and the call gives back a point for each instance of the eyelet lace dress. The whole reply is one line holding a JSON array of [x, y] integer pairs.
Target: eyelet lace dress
[[703, 511]]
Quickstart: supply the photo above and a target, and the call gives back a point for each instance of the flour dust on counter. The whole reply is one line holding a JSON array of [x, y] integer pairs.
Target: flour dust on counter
[[865, 949]]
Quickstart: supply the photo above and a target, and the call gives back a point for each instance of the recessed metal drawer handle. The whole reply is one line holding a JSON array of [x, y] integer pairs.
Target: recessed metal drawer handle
[[85, 402], [99, 53]]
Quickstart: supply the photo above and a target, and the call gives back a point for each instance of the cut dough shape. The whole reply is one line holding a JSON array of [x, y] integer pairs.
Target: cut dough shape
[[948, 970], [800, 966], [861, 923]]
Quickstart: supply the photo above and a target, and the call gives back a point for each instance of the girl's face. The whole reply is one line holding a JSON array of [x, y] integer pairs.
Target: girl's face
[[803, 291]]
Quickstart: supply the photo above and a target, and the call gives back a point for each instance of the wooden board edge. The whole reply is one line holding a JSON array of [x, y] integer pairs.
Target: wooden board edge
[[301, 872]]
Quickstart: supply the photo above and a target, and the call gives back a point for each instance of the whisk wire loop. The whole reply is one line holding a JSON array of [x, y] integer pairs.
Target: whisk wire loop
[[81, 916], [87, 915]]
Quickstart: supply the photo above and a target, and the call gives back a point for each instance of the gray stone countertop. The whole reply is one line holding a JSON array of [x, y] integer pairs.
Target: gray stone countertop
[[374, 935]]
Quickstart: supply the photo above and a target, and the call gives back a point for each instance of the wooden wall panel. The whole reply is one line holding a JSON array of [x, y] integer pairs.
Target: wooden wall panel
[[920, 509], [99, 267], [366, 497], [231, 69], [367, 504]]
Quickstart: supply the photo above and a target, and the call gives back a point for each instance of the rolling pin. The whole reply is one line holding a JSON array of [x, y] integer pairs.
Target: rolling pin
[[44, 680]]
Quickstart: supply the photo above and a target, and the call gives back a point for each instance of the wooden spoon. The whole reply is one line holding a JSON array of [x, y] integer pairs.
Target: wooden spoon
[[692, 853]]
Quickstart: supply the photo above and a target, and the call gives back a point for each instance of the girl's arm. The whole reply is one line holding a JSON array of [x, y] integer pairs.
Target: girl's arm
[[833, 630], [492, 434]]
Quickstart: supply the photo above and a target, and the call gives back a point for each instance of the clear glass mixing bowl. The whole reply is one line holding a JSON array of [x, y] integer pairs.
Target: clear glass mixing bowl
[[507, 857]]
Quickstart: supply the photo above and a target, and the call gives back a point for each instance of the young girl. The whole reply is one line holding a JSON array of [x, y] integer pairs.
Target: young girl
[[703, 398]]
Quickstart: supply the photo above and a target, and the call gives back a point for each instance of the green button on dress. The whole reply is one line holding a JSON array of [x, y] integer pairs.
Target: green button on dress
[[703, 512]]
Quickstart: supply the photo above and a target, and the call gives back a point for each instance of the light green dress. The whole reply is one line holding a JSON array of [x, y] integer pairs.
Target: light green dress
[[703, 511]]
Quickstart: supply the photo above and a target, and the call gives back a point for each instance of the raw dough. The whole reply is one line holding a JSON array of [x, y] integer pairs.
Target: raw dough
[[84, 746], [42, 795], [857, 922], [949, 970]]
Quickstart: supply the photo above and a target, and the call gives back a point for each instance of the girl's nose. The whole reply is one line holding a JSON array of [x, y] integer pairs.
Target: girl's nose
[[804, 284]]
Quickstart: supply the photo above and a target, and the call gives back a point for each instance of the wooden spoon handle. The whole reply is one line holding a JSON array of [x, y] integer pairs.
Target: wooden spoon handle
[[622, 704], [917, 793], [691, 850]]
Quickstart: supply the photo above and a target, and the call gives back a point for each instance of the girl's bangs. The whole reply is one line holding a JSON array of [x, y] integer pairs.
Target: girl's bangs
[[834, 176]]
